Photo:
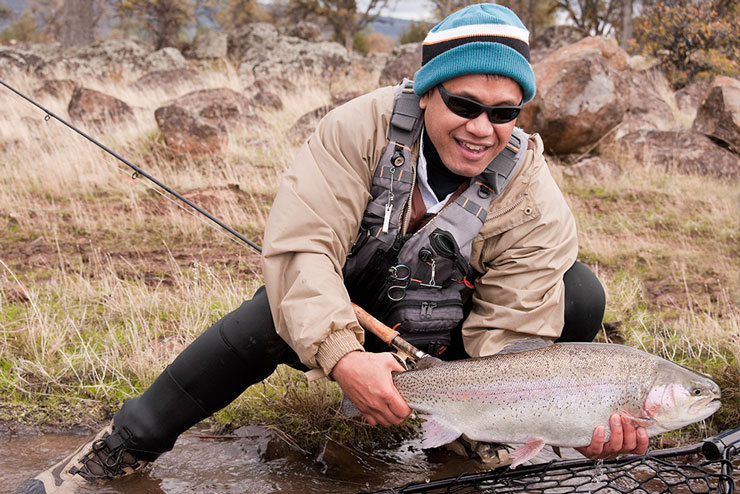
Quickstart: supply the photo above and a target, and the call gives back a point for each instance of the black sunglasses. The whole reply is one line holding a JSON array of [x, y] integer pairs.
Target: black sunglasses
[[468, 108]]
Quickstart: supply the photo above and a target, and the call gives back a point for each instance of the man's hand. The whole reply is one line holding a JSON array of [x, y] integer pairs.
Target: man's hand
[[366, 379], [625, 438]]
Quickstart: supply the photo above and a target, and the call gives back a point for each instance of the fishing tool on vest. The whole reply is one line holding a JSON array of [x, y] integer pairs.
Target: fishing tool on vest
[[408, 351], [418, 281]]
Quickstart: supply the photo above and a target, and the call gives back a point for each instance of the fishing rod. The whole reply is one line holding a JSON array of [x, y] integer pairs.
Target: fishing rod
[[389, 336]]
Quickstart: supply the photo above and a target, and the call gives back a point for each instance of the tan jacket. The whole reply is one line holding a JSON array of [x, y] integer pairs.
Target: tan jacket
[[527, 243]]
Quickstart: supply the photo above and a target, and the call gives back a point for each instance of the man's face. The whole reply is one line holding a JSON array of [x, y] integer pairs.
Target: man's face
[[467, 146]]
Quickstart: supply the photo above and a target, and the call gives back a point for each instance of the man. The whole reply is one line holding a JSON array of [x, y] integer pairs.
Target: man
[[429, 209]]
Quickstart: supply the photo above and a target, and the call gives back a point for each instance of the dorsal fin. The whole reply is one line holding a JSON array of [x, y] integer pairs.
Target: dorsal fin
[[525, 345], [428, 362]]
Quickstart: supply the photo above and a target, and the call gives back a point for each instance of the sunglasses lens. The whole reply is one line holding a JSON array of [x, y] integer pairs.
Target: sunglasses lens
[[503, 115], [463, 107]]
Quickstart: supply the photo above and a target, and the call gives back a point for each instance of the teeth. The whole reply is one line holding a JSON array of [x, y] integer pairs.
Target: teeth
[[473, 147]]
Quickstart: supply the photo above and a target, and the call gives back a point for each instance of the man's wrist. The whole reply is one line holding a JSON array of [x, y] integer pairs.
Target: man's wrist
[[334, 347]]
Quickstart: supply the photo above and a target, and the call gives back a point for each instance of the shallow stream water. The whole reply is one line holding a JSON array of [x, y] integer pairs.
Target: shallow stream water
[[201, 464], [198, 465]]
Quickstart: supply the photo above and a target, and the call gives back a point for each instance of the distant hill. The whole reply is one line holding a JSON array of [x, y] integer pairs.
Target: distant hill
[[390, 26], [16, 6]]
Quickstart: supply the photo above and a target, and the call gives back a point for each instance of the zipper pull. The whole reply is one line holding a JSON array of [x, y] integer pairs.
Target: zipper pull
[[389, 204], [387, 217]]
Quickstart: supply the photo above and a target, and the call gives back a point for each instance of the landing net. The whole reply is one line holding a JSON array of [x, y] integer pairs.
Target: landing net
[[705, 467]]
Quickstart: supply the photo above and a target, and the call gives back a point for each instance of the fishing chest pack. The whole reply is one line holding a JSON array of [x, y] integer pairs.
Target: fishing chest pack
[[415, 282]]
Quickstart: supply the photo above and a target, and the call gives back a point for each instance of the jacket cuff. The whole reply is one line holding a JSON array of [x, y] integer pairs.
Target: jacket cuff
[[334, 347]]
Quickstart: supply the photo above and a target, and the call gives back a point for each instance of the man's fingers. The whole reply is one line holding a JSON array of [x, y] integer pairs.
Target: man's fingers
[[597, 443], [643, 441], [616, 438], [630, 435]]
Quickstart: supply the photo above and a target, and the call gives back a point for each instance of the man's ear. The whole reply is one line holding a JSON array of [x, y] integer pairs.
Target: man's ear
[[424, 101]]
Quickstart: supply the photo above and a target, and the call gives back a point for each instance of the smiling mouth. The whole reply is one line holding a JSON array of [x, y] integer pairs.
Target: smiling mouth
[[476, 148]]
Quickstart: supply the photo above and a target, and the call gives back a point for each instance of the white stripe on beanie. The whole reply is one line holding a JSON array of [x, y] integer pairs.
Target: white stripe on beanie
[[471, 30]]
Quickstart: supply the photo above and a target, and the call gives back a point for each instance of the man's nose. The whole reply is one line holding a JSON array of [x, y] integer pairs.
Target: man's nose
[[480, 126]]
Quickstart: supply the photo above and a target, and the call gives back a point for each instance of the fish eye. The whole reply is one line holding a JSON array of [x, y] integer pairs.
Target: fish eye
[[696, 391]]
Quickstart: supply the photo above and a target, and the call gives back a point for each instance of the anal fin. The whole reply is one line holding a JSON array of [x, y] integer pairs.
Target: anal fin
[[526, 452], [437, 433]]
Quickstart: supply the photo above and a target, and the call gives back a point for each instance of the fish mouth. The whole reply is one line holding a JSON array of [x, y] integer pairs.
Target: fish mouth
[[709, 403]]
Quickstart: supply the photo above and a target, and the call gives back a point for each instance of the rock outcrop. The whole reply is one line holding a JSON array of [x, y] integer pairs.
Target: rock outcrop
[[209, 45], [403, 61], [165, 59], [166, 79], [106, 59], [263, 53], [719, 115], [684, 151], [580, 96]]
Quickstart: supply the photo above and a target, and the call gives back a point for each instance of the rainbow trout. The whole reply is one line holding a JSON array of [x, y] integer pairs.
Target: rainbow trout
[[554, 394]]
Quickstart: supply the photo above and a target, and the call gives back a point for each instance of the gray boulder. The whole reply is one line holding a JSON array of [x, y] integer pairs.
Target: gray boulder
[[690, 97], [165, 59], [683, 151], [403, 61], [305, 30], [580, 96], [593, 170], [165, 79], [16, 59], [719, 115], [208, 45], [645, 109], [109, 58], [263, 53]]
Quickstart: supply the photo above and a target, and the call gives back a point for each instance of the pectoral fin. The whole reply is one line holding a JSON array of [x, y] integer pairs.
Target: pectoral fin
[[640, 421], [436, 433], [526, 452]]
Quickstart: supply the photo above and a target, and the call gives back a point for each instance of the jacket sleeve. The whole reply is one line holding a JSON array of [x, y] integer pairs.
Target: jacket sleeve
[[311, 227], [523, 255]]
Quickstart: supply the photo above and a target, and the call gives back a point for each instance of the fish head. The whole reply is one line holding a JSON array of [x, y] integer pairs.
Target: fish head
[[679, 397]]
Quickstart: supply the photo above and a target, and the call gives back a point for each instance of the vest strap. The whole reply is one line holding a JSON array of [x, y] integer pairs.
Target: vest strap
[[406, 118]]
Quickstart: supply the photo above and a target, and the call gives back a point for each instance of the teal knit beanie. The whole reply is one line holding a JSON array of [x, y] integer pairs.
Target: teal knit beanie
[[479, 39]]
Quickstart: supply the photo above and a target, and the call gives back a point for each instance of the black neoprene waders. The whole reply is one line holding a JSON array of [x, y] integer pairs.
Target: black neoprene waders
[[243, 348]]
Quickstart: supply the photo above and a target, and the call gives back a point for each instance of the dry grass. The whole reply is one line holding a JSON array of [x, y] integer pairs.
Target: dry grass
[[118, 278]]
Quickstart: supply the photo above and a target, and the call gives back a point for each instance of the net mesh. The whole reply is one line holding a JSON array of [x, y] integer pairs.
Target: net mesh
[[706, 467]]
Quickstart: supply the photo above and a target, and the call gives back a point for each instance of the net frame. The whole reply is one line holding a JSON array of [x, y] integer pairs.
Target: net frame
[[704, 467]]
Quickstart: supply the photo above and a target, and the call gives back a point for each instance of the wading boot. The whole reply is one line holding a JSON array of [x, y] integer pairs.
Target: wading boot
[[103, 458]]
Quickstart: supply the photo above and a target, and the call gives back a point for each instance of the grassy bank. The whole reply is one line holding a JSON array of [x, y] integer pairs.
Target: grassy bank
[[103, 280]]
